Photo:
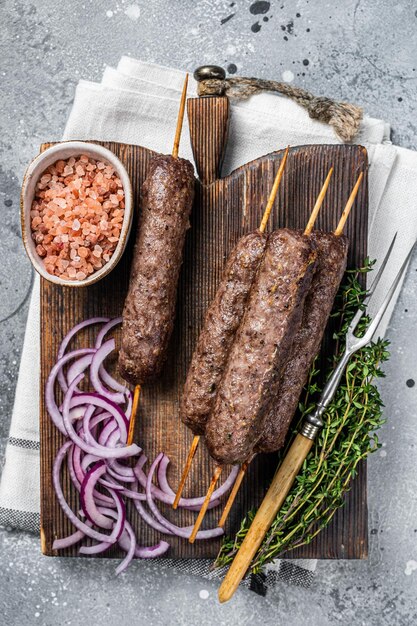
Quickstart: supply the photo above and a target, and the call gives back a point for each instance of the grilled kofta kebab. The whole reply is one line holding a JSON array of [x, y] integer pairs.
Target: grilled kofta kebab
[[221, 323], [149, 310], [332, 250], [331, 264], [222, 320]]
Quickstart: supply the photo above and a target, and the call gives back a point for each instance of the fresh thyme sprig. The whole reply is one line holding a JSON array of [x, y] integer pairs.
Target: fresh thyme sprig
[[348, 436]]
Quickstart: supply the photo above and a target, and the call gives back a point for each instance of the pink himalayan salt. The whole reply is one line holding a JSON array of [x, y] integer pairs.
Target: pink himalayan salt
[[78, 203]]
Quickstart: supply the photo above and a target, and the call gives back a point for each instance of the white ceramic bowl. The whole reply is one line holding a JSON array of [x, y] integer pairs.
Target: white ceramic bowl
[[64, 151]]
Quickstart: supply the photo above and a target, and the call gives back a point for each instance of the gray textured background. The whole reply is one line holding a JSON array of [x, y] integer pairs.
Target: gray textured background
[[362, 51]]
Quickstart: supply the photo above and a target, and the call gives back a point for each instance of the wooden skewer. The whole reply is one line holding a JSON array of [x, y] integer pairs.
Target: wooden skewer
[[317, 206], [133, 414], [175, 148], [233, 493], [180, 119], [264, 221], [216, 476], [274, 191], [244, 467], [349, 204], [191, 453]]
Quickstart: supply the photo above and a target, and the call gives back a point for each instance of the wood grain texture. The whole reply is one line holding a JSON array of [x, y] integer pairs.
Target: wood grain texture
[[208, 120], [223, 211]]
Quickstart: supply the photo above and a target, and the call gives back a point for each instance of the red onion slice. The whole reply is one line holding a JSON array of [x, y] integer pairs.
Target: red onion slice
[[105, 376], [78, 367], [56, 480], [54, 412], [130, 554], [150, 552], [164, 485], [97, 548], [67, 542], [90, 508], [160, 495], [92, 398], [77, 475], [96, 449], [148, 519], [112, 382], [120, 477], [90, 423], [177, 530], [107, 431], [64, 344], [105, 329], [97, 360]]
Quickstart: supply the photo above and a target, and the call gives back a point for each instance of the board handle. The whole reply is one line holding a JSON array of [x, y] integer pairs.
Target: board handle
[[208, 119]]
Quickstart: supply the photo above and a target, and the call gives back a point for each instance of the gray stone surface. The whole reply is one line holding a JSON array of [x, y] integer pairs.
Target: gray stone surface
[[362, 51]]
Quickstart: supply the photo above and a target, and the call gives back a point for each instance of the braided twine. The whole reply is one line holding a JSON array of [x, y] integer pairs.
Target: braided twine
[[345, 118]]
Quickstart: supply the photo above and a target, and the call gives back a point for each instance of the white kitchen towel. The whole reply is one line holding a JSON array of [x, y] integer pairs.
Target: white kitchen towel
[[137, 103]]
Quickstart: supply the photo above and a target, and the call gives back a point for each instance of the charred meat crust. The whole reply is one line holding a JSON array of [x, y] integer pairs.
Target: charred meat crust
[[149, 310], [261, 347], [331, 264], [222, 320]]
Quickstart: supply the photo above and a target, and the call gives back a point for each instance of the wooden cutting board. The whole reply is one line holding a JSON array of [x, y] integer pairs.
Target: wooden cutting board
[[224, 209]]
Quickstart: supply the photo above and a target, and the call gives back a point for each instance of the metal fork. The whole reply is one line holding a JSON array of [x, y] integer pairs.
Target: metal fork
[[313, 422], [294, 459]]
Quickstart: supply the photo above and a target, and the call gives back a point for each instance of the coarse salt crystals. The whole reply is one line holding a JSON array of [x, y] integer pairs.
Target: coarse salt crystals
[[76, 216]]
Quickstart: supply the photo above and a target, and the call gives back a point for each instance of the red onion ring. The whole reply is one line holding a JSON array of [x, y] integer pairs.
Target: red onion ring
[[77, 475], [107, 431], [145, 553], [97, 360], [164, 485], [130, 554], [91, 421], [96, 449], [177, 530], [92, 398], [56, 471], [151, 552], [78, 367], [105, 329], [64, 343], [188, 502], [54, 412], [67, 542], [89, 506], [97, 548]]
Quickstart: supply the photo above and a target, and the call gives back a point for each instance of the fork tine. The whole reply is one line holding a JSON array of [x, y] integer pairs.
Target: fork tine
[[381, 269], [356, 318], [375, 322]]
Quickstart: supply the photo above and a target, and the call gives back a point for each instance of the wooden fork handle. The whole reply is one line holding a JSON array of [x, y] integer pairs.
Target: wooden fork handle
[[278, 491]]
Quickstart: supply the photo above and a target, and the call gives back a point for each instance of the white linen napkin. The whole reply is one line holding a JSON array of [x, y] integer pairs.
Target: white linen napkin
[[136, 103]]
